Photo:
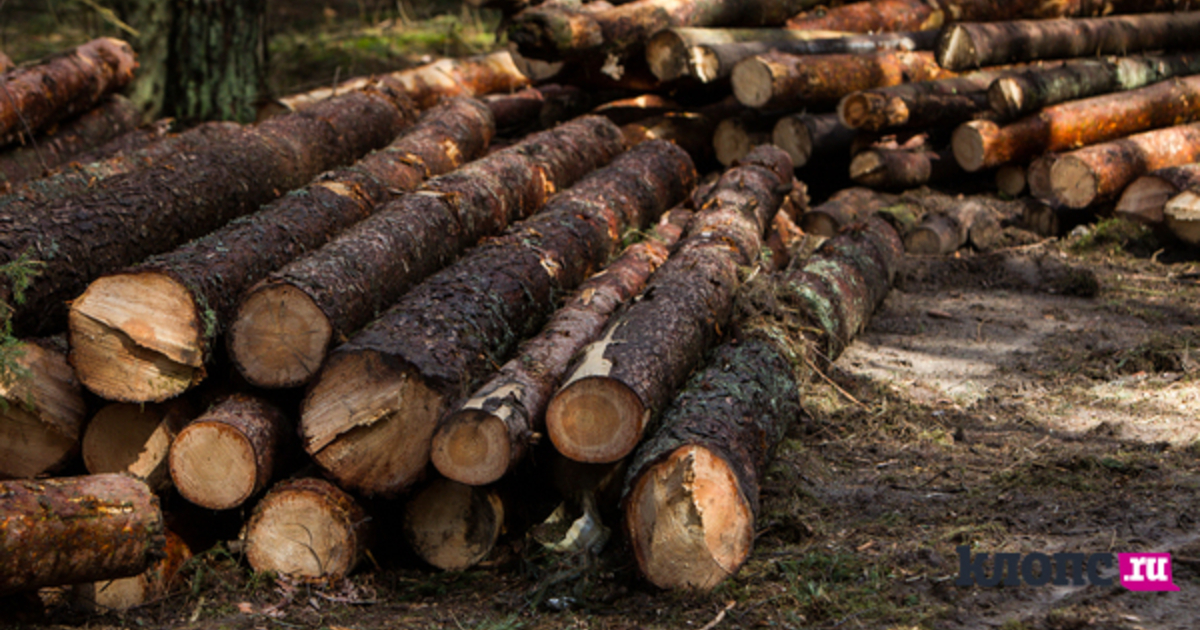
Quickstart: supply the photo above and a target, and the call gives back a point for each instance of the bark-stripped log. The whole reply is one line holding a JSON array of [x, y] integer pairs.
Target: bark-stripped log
[[692, 490], [147, 332], [76, 529], [486, 436], [432, 82], [902, 168], [1099, 172], [370, 414], [846, 207], [43, 411], [884, 16], [61, 86], [307, 529], [806, 135], [453, 526], [229, 453], [185, 196], [1182, 215], [130, 592], [136, 439], [285, 325], [964, 46], [622, 380], [943, 103], [981, 144], [781, 81], [1033, 89], [115, 116], [1144, 198]]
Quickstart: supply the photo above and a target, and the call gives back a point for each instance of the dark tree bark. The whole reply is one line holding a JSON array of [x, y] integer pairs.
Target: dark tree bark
[[43, 412], [943, 102], [534, 109], [903, 168], [216, 68], [846, 207], [114, 116], [804, 136], [872, 17]]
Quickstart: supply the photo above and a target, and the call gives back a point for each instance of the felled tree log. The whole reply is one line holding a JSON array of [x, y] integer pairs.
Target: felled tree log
[[1144, 199], [872, 17], [111, 118], [692, 490], [691, 130], [536, 108], [1010, 179], [1082, 177], [943, 233], [806, 135], [1030, 90], [971, 45], [981, 144], [846, 207], [307, 528], [453, 526], [40, 95], [135, 439], [780, 81], [902, 168], [943, 102], [130, 592], [43, 411], [286, 324], [485, 437], [1182, 215], [76, 529], [735, 137], [147, 332], [370, 414], [621, 381]]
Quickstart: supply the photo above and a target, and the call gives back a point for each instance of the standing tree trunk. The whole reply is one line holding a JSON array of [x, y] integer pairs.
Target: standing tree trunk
[[42, 412], [216, 68], [308, 529], [111, 118], [942, 103]]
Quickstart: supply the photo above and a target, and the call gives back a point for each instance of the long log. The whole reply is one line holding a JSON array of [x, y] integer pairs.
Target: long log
[[972, 45], [880, 16], [1144, 199], [981, 144], [782, 81], [126, 593], [534, 109], [286, 324], [844, 208], [673, 53], [943, 102], [309, 529], [453, 526], [61, 86], [111, 118], [804, 136], [43, 411], [692, 490], [146, 333], [76, 529], [1083, 177], [1030, 90], [486, 436], [370, 414], [135, 439], [621, 381]]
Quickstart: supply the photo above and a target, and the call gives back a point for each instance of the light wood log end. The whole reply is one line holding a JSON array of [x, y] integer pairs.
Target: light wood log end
[[1183, 217], [472, 447], [752, 82], [956, 49], [1072, 182], [1144, 199], [134, 438], [969, 148], [453, 526], [279, 337], [667, 56], [43, 418], [596, 420], [213, 465], [868, 168], [792, 135], [306, 528]]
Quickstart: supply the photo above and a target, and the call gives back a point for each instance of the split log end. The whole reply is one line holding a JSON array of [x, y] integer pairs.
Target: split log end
[[472, 447], [956, 50], [596, 420], [134, 438], [1006, 97], [279, 336]]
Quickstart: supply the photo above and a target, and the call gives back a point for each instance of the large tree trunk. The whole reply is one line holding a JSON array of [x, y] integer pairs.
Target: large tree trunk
[[33, 98], [136, 439], [217, 64], [490, 433], [76, 529], [782, 81], [941, 103], [1028, 91], [872, 17], [146, 333], [1144, 199], [453, 526], [43, 412], [692, 491], [308, 529], [965, 46], [804, 136], [369, 416], [623, 380], [984, 144], [111, 118], [286, 324]]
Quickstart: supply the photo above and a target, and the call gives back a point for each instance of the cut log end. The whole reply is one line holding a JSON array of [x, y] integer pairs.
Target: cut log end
[[596, 420], [1010, 180], [793, 136], [868, 169], [127, 437], [305, 529], [752, 81], [968, 146], [956, 49], [137, 338], [453, 526], [732, 141], [1183, 217], [689, 524], [667, 56], [1072, 182], [213, 465], [1006, 97], [29, 446], [472, 447], [43, 415], [1144, 199], [279, 337]]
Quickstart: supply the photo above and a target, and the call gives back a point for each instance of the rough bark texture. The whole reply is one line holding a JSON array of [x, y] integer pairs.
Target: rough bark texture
[[43, 411], [111, 118], [781, 81], [436, 344], [804, 136], [1033, 89], [942, 103], [308, 529], [453, 526], [76, 529], [903, 168], [692, 490], [623, 380], [846, 207], [212, 272], [1144, 199], [872, 17], [1099, 172], [984, 144], [217, 60], [534, 109], [965, 46], [135, 439], [344, 284], [35, 97], [490, 433]]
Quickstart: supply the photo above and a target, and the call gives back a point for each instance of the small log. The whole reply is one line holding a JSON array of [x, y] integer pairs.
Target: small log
[[453, 526], [693, 489], [229, 453], [943, 102], [845, 207], [61, 86], [1030, 90], [981, 144], [127, 593], [1010, 179], [971, 45], [43, 411], [307, 529], [1038, 176], [370, 414], [627, 110], [691, 130], [942, 233], [872, 17], [782, 81], [1144, 199], [537, 108], [1081, 178], [621, 381], [902, 168], [135, 439], [735, 137], [286, 324], [1182, 214], [76, 529], [804, 136], [111, 118], [489, 434], [672, 53]]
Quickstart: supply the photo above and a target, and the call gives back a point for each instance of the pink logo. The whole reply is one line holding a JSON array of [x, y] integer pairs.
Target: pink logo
[[1146, 571]]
